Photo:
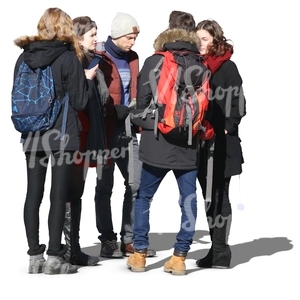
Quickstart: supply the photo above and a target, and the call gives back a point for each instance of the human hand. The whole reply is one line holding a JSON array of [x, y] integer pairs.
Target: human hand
[[91, 73], [132, 104]]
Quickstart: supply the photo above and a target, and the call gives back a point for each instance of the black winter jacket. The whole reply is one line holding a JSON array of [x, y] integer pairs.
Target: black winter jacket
[[69, 77], [162, 152], [229, 107]]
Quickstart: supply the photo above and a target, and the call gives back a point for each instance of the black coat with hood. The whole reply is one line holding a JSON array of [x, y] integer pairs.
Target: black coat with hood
[[160, 151], [229, 107], [69, 77], [228, 110]]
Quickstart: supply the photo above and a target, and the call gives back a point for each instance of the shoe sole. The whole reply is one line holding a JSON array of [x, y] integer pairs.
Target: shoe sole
[[62, 270], [56, 272], [111, 256], [220, 267], [134, 269], [212, 266], [88, 264], [175, 272], [37, 268]]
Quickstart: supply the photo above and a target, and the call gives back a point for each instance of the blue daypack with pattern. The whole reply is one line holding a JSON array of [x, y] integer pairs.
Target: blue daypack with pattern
[[35, 107]]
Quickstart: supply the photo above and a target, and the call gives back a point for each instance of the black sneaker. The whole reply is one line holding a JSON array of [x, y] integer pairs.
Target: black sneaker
[[110, 249]]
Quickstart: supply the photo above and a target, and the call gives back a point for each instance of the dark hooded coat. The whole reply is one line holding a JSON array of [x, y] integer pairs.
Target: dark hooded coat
[[161, 151], [69, 77]]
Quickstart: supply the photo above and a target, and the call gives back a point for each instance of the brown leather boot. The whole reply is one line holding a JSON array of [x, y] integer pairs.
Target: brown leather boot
[[137, 262], [176, 265]]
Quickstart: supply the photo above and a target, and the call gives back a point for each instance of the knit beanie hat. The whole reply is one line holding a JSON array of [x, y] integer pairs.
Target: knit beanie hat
[[123, 24]]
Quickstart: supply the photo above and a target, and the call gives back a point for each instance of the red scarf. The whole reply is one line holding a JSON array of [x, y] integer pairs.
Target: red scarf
[[215, 62]]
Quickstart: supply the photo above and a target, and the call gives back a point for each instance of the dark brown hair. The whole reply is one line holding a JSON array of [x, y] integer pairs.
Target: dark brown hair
[[81, 26], [220, 43], [181, 20]]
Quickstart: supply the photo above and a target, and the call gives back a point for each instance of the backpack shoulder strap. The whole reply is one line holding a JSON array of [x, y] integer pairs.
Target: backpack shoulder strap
[[64, 106], [153, 85], [153, 75]]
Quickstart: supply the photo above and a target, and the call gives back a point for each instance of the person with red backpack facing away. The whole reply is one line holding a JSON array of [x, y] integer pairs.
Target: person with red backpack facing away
[[161, 154]]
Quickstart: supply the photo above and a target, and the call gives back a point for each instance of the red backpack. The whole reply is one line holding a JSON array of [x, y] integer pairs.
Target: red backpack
[[181, 96]]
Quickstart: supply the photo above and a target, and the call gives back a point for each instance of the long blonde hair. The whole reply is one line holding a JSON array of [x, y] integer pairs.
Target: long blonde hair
[[55, 24]]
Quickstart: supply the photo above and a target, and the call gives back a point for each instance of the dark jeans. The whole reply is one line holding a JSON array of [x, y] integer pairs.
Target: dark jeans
[[150, 180], [61, 172], [104, 188], [220, 204]]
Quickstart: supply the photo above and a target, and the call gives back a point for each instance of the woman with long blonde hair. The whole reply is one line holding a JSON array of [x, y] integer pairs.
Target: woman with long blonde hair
[[55, 44]]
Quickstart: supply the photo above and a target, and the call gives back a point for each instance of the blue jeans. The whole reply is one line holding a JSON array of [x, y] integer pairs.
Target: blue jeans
[[151, 178], [104, 188]]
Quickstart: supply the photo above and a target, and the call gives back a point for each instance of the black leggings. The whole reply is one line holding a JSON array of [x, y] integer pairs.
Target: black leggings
[[61, 173], [220, 202]]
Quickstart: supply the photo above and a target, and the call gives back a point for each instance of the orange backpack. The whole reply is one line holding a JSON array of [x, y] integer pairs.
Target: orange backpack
[[180, 96]]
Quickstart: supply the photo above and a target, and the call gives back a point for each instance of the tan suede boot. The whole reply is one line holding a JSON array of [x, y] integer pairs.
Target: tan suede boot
[[137, 262], [175, 265]]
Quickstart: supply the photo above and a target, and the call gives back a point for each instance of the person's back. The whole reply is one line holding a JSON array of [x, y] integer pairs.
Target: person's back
[[161, 154], [52, 47], [156, 151]]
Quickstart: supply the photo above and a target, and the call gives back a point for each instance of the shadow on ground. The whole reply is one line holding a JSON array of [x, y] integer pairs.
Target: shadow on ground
[[241, 253]]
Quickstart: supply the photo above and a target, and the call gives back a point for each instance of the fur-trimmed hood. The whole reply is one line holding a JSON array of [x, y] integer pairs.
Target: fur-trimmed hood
[[175, 35], [25, 40]]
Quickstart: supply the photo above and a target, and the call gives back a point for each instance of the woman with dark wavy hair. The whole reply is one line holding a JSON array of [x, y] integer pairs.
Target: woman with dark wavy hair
[[229, 106]]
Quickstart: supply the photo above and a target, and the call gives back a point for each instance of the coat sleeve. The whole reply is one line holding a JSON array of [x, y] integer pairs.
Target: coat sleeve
[[235, 106], [77, 85]]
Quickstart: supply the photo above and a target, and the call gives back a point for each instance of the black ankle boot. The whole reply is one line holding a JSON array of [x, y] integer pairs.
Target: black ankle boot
[[214, 259], [74, 254], [82, 259], [219, 255]]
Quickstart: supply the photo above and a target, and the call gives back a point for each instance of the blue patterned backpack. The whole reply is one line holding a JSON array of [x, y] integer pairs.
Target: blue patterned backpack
[[35, 107]]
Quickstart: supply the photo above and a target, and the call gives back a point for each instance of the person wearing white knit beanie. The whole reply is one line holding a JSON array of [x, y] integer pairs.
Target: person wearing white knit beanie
[[120, 67], [123, 24]]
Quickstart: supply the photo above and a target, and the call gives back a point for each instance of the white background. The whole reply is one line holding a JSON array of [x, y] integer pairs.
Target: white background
[[264, 235]]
